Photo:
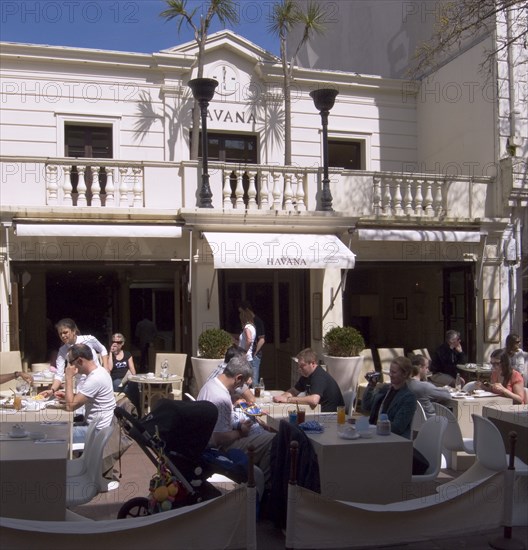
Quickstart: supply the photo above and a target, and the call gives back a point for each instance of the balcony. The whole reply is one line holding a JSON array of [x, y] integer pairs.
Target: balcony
[[121, 187]]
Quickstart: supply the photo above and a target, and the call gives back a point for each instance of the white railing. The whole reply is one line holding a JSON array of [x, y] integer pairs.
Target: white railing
[[99, 183], [110, 183]]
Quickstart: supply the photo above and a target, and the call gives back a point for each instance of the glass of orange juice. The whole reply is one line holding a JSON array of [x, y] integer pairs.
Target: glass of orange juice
[[17, 402], [341, 415]]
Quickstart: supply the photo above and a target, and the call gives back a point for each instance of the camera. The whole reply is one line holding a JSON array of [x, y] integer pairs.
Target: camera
[[373, 377]]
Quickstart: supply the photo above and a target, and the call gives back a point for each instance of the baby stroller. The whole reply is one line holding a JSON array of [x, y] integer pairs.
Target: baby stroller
[[174, 436]]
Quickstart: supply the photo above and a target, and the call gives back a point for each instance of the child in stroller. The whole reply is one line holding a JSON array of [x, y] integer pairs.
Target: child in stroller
[[175, 436]]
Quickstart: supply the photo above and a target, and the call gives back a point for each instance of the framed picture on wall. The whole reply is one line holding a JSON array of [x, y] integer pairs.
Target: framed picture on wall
[[399, 309]]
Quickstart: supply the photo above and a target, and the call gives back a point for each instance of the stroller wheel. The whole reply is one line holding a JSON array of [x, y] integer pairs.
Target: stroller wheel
[[134, 508]]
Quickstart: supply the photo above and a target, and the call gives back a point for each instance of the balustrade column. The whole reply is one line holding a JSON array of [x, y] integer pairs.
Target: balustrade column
[[67, 187], [301, 206], [109, 188], [138, 187], [96, 188], [51, 185], [386, 204], [418, 198], [429, 211], [408, 198], [398, 210], [277, 191], [252, 190], [81, 187], [438, 202], [264, 191], [376, 196], [239, 190], [287, 192], [226, 191], [123, 187]]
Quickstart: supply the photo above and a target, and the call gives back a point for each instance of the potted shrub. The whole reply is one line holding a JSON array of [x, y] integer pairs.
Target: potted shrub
[[343, 360], [343, 342], [212, 346]]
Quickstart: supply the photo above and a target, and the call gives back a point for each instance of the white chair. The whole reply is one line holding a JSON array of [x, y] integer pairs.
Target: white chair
[[490, 448], [83, 486], [453, 440], [76, 466], [429, 443], [422, 351], [177, 362], [386, 356], [470, 386], [419, 418]]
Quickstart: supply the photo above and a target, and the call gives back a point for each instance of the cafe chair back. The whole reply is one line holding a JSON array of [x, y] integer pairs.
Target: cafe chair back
[[470, 386], [429, 443], [84, 486], [419, 418], [422, 351], [453, 440], [177, 362], [490, 448], [77, 466]]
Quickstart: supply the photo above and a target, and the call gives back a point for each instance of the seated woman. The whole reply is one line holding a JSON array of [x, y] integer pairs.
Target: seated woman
[[121, 366], [394, 399], [505, 381]]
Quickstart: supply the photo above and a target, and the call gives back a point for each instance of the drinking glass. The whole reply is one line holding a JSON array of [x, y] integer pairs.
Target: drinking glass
[[301, 416], [341, 414]]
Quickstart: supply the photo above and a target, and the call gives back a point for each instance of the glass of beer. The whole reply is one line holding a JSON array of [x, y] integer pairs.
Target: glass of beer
[[341, 414]]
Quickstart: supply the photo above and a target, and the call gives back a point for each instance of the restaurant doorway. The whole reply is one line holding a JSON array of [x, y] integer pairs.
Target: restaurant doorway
[[278, 297]]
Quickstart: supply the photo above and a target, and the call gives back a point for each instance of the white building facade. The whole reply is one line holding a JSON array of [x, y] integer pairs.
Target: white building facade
[[101, 223]]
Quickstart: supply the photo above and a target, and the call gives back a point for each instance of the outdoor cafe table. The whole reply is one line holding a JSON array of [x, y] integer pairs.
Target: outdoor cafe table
[[153, 388], [33, 471], [510, 418], [475, 371], [53, 414], [376, 470]]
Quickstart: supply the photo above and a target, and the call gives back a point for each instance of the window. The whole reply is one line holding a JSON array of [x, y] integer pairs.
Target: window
[[239, 149], [231, 148], [87, 142], [346, 154]]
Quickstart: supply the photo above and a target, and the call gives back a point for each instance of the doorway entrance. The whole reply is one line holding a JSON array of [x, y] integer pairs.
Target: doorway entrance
[[278, 297]]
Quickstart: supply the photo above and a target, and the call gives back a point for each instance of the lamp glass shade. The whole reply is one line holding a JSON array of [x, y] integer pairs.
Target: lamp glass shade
[[324, 98], [203, 89]]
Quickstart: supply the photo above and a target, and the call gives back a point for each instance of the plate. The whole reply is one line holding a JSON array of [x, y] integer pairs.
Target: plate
[[18, 435], [251, 411], [348, 434]]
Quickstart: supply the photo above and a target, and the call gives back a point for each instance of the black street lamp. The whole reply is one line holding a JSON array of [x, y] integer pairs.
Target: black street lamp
[[324, 100], [203, 90]]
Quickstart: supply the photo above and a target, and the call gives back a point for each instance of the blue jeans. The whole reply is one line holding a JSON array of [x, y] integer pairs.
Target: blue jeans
[[255, 364], [79, 433]]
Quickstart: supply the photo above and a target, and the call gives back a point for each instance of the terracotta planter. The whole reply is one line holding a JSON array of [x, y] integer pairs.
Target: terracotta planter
[[202, 368], [345, 371]]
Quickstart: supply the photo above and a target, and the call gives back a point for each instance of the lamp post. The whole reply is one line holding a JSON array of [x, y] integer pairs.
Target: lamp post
[[324, 100], [203, 90]]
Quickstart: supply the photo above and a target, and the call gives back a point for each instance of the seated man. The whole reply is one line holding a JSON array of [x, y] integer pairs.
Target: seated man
[[317, 385], [220, 390], [425, 391], [96, 392], [446, 358]]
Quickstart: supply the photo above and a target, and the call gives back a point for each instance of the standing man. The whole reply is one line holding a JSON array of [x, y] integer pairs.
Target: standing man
[[146, 333], [446, 358], [317, 385], [96, 393], [259, 341]]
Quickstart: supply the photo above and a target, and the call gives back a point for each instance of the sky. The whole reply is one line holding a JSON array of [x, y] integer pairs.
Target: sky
[[123, 25]]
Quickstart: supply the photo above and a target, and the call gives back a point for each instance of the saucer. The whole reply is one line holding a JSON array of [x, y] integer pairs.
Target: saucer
[[19, 435]]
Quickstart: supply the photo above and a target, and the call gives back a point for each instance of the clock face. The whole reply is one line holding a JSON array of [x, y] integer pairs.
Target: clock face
[[227, 78]]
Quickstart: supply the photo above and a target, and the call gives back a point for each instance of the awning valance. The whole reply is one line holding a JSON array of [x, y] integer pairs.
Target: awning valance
[[88, 230], [418, 235], [278, 250]]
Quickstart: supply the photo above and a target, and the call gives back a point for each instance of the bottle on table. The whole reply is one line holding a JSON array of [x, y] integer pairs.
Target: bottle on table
[[384, 425], [165, 369], [458, 382]]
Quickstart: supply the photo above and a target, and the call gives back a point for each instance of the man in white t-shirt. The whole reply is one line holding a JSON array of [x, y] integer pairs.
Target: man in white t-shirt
[[96, 393]]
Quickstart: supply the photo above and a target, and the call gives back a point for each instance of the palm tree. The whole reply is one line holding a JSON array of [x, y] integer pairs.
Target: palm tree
[[225, 11], [285, 15]]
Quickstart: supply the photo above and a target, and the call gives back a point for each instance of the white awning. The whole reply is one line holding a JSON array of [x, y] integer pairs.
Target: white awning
[[278, 250], [418, 235], [80, 230]]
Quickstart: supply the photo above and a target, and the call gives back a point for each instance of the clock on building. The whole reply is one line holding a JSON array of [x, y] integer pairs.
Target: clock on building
[[227, 77]]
